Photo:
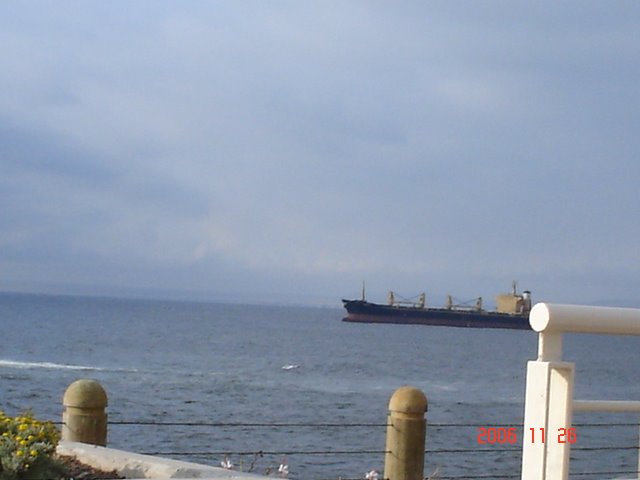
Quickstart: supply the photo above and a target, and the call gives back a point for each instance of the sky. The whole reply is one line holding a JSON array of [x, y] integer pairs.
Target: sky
[[286, 151]]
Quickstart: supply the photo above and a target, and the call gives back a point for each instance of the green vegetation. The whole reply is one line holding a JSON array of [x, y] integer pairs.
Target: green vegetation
[[27, 449]]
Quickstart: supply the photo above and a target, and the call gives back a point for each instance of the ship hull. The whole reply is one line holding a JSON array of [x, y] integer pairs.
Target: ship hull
[[362, 311]]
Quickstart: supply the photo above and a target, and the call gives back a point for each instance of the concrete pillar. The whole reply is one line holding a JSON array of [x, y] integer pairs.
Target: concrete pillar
[[406, 435], [84, 417]]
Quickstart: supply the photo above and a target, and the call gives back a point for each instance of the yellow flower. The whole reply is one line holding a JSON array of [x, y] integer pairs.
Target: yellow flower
[[22, 427], [33, 453], [19, 453]]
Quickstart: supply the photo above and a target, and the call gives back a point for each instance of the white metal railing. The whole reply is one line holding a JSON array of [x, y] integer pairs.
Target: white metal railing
[[549, 402]]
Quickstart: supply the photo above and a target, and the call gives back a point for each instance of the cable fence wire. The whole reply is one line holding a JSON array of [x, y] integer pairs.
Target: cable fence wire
[[245, 425], [455, 477], [353, 425], [293, 424], [435, 451], [333, 425], [580, 474], [267, 452], [618, 472], [369, 452]]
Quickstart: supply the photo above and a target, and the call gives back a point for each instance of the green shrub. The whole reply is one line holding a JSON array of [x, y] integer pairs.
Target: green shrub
[[27, 449]]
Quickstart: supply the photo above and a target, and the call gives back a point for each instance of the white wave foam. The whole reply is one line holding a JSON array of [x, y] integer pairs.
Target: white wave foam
[[48, 365], [290, 367]]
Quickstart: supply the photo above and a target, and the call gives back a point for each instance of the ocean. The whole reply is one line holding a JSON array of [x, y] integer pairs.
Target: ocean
[[199, 381]]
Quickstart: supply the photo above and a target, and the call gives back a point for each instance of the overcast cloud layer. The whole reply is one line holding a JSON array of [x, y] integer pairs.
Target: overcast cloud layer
[[287, 151]]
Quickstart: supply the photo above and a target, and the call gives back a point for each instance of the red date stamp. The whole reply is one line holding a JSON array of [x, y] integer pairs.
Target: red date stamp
[[501, 435]]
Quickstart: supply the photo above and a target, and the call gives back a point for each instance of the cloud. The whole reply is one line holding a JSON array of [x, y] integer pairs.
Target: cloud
[[278, 147]]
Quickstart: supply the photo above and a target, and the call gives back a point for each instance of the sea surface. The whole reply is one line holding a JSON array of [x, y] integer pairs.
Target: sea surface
[[242, 379]]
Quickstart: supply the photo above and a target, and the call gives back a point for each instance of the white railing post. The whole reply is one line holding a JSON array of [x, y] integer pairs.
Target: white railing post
[[548, 408], [549, 402]]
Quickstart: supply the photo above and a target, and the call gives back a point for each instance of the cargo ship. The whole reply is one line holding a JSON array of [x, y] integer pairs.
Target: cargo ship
[[512, 311]]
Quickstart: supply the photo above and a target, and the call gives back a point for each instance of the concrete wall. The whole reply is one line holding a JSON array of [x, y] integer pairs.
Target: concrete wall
[[136, 466]]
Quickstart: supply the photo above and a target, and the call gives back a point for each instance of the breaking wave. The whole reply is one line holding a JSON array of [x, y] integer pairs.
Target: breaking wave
[[55, 366]]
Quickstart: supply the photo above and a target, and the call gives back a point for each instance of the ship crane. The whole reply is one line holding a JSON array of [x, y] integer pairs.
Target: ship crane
[[477, 304], [411, 302]]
